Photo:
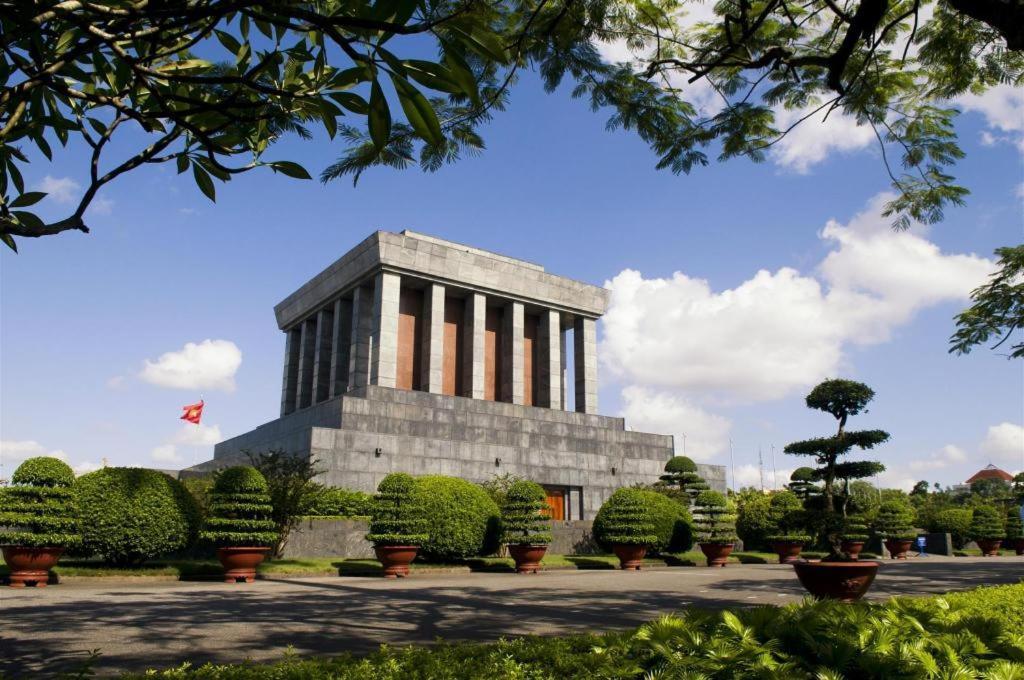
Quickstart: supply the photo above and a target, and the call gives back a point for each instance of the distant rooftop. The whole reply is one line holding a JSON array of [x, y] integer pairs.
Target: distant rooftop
[[470, 249], [990, 472]]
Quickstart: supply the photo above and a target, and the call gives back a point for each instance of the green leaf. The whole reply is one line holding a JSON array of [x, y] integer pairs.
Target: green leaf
[[418, 111], [291, 169], [352, 102], [9, 241], [380, 116], [186, 65], [463, 74], [204, 182], [229, 42], [182, 162], [484, 42], [27, 199], [28, 219], [436, 77]]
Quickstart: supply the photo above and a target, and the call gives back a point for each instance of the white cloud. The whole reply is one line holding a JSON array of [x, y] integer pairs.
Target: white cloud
[[1004, 443], [198, 435], [210, 364], [101, 205], [706, 434], [751, 475], [780, 331], [1003, 109], [13, 453], [85, 467], [812, 140], [950, 454], [60, 189], [166, 453]]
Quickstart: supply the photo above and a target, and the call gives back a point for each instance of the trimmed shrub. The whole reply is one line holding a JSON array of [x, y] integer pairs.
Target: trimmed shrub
[[801, 482], [956, 522], [855, 528], [464, 521], [672, 522], [894, 520], [240, 510], [130, 515], [681, 471], [524, 514], [38, 511], [753, 519], [987, 524], [716, 521], [625, 518], [786, 518], [1014, 525], [337, 502], [395, 516]]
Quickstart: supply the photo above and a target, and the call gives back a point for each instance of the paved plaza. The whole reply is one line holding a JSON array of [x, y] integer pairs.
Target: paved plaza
[[147, 623]]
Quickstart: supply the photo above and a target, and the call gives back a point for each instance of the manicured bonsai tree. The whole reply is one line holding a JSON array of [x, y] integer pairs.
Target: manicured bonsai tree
[[240, 522], [987, 529], [524, 527], [716, 527], [1014, 530], [894, 524], [854, 535], [624, 524], [37, 519], [801, 482], [397, 524], [681, 471], [464, 519], [787, 522]]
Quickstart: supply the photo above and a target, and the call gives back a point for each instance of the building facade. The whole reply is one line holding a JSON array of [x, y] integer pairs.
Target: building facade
[[415, 354]]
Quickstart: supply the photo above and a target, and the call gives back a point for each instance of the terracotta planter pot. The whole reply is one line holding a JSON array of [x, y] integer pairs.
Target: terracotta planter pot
[[30, 566], [853, 548], [396, 559], [240, 562], [631, 557], [898, 548], [527, 557], [1018, 545], [843, 581], [788, 551], [989, 546], [717, 553]]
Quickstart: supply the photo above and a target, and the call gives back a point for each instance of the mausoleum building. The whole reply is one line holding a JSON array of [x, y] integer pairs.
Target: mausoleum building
[[415, 354]]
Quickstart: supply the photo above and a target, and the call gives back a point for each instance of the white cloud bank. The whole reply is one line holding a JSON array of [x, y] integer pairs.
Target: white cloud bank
[[210, 364], [698, 434], [1004, 444], [14, 452], [194, 436], [60, 189]]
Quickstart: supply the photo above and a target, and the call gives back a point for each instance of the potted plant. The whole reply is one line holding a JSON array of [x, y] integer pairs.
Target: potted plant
[[681, 471], [987, 530], [397, 525], [716, 527], [894, 524], [37, 520], [854, 536], [239, 523], [838, 575], [1014, 530], [625, 525], [524, 528], [786, 524]]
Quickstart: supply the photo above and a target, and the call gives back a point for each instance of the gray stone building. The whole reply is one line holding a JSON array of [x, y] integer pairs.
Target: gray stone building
[[415, 354]]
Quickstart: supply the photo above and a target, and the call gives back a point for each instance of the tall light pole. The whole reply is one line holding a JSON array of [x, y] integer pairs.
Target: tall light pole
[[732, 465]]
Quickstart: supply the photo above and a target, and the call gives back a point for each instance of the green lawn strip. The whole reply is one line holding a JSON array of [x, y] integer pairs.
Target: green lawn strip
[[975, 552]]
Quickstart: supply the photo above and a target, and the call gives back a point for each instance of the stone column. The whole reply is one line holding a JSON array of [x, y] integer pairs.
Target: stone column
[[307, 352], [564, 370], [384, 338], [290, 381], [361, 349], [512, 358], [322, 353], [340, 346], [432, 363], [474, 321], [585, 356], [549, 355]]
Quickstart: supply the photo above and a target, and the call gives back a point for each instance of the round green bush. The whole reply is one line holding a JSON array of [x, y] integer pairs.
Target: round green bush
[[787, 519], [524, 514], [338, 502], [716, 521], [626, 519], [395, 516], [240, 510], [672, 522], [1014, 524], [39, 510], [753, 519], [130, 515], [463, 519], [953, 521], [801, 482], [987, 524], [894, 520], [679, 464]]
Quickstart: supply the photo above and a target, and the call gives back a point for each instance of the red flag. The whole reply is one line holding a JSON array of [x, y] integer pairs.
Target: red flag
[[193, 412]]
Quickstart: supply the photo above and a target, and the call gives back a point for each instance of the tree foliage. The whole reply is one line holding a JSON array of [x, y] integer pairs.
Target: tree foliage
[[38, 510], [240, 510], [998, 309], [290, 486], [524, 514], [396, 518]]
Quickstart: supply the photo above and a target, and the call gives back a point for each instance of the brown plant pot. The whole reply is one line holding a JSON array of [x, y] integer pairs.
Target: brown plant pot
[[1018, 545], [527, 557], [240, 562], [898, 548], [631, 557], [788, 551], [843, 581], [396, 559], [30, 566], [852, 548], [717, 553], [989, 546]]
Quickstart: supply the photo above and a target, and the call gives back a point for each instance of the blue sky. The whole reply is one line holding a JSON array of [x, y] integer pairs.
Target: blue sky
[[81, 314]]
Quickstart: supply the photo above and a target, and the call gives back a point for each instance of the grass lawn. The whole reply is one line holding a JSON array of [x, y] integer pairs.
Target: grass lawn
[[975, 552]]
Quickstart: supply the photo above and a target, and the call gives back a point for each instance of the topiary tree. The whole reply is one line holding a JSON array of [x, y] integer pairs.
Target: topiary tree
[[524, 514], [855, 528], [986, 524], [240, 510], [716, 521], [787, 519], [38, 510], [801, 482], [130, 515], [681, 471], [464, 521], [753, 519], [1014, 525], [672, 522], [625, 519], [396, 518], [894, 520], [954, 521]]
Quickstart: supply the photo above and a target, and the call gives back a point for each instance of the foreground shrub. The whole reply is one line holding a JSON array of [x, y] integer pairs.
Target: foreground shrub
[[38, 511], [956, 522], [672, 522], [240, 510], [716, 522], [337, 502], [130, 515], [463, 520], [395, 516], [987, 524], [524, 514], [625, 519]]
